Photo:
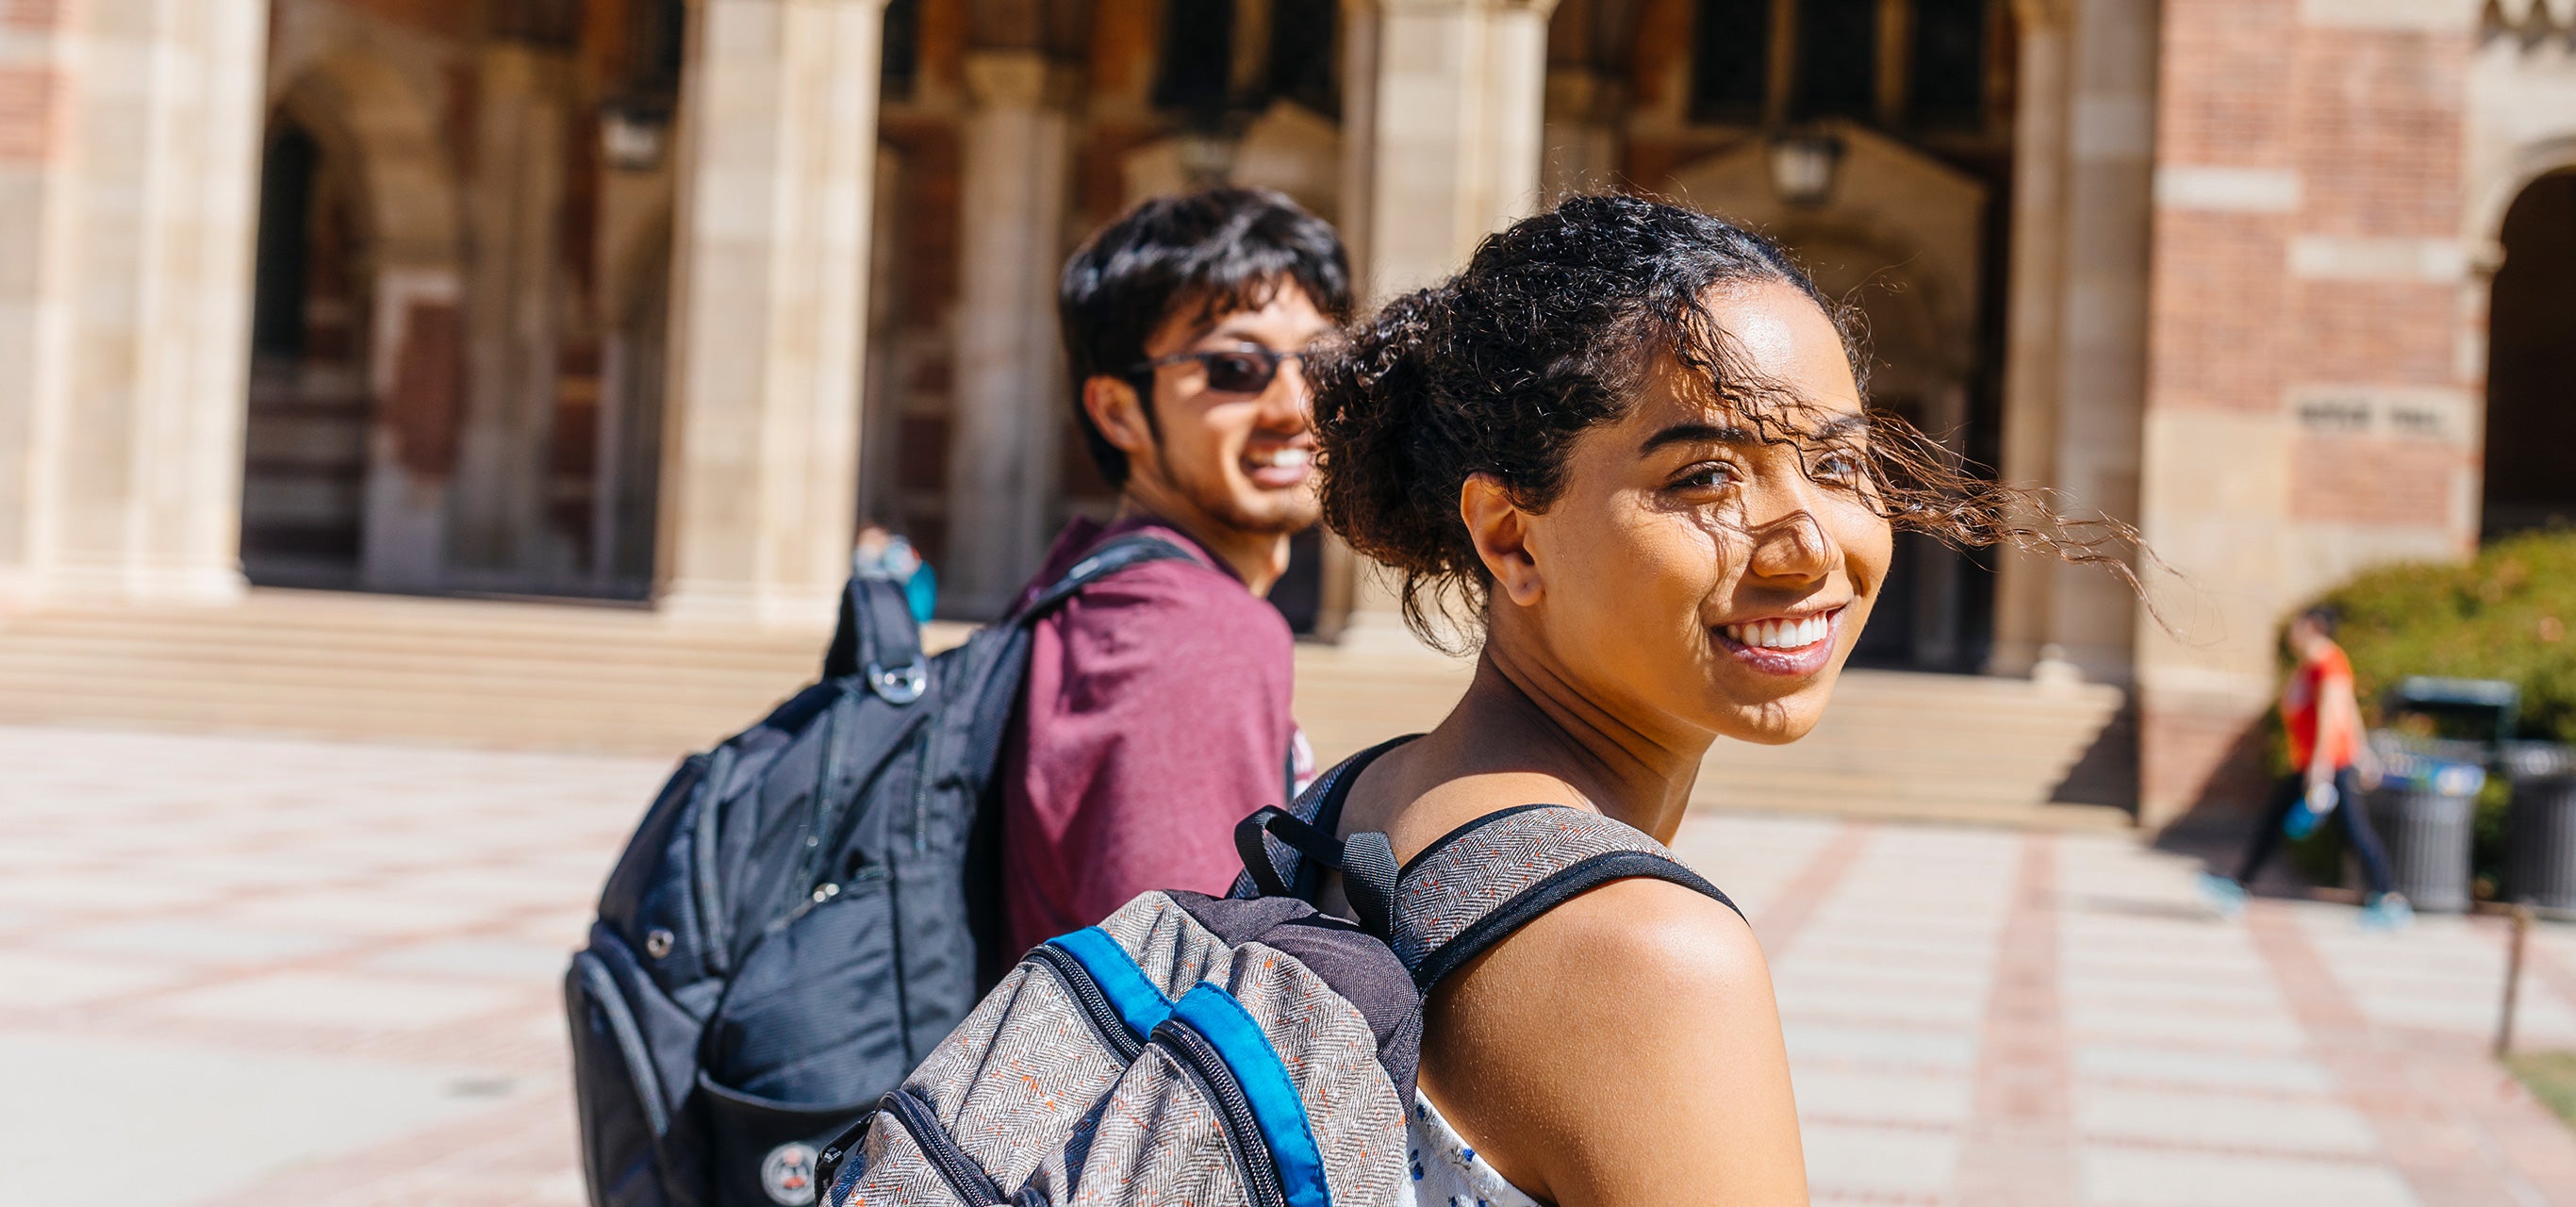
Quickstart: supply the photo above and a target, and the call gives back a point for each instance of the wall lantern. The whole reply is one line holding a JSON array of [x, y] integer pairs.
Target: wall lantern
[[632, 135], [1803, 166]]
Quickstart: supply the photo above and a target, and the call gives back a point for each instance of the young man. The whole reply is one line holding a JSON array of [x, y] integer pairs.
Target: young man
[[1156, 713], [2331, 763]]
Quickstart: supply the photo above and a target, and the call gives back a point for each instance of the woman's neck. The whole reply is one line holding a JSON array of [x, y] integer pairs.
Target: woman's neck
[[1520, 715]]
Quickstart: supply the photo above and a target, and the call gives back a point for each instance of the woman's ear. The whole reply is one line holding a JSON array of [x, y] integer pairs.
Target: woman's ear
[[1500, 530], [1118, 412]]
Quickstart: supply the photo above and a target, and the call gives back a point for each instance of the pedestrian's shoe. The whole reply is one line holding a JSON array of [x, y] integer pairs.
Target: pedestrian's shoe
[[2388, 911], [2225, 897]]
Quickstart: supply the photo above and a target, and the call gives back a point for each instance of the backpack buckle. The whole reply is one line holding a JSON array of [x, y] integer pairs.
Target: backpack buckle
[[902, 685]]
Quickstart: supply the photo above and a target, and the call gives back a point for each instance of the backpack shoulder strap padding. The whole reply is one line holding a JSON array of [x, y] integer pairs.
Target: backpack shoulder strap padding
[[1492, 876]]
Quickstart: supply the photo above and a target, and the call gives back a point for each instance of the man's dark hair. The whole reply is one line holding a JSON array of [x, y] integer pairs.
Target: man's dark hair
[[1212, 252], [2326, 617]]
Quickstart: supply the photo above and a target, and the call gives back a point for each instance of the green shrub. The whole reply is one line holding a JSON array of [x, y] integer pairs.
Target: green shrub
[[2506, 615]]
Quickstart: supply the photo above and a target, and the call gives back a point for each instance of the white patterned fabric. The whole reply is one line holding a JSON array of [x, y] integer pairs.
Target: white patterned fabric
[[1446, 1170]]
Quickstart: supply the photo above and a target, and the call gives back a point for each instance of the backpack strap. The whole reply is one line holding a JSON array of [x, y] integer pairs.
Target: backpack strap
[[1500, 872], [877, 636], [1109, 557], [1294, 865], [1463, 893]]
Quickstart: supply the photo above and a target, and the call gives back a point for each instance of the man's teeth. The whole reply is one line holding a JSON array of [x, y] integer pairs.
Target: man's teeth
[[1782, 634], [1284, 458]]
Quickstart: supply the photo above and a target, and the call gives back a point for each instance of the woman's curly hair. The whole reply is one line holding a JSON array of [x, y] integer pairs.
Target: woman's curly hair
[[1553, 329]]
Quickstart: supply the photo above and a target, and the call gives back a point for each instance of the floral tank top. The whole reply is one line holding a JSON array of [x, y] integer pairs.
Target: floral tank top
[[1446, 1170]]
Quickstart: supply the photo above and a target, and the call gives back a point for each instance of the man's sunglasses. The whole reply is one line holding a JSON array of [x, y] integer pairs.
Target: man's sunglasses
[[1234, 370]]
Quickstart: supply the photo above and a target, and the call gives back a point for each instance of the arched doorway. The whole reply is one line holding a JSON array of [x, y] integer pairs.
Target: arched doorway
[[2531, 363], [357, 351], [305, 460]]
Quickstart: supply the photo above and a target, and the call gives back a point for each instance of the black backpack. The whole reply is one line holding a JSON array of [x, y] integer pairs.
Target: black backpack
[[800, 916]]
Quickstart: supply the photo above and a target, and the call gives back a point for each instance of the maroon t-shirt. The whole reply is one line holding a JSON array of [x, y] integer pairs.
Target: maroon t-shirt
[[1155, 718]]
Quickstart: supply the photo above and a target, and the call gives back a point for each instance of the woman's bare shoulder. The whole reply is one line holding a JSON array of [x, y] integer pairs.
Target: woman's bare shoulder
[[1621, 1047]]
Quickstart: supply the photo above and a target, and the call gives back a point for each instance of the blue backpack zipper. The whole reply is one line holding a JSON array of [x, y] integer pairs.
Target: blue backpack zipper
[[963, 1176]]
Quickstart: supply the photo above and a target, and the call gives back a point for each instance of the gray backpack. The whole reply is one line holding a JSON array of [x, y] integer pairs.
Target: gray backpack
[[1221, 1052]]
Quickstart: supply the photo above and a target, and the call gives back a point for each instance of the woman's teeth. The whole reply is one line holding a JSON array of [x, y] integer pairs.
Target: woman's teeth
[[1281, 458], [1782, 634]]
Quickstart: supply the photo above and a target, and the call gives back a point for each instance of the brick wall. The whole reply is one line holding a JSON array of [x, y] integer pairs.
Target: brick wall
[[31, 14], [2307, 408], [27, 113], [30, 95]]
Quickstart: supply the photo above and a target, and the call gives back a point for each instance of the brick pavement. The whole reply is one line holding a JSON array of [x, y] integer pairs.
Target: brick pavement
[[325, 975]]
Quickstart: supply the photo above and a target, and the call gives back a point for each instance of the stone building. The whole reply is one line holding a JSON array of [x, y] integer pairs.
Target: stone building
[[650, 299]]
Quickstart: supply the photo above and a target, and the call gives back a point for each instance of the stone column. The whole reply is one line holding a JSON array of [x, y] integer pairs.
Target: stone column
[[1442, 131], [134, 309], [777, 158], [499, 534], [1011, 396], [39, 230], [2076, 371], [2038, 298]]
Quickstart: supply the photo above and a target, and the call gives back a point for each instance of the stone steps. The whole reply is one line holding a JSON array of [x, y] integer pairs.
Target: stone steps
[[627, 681], [1893, 745]]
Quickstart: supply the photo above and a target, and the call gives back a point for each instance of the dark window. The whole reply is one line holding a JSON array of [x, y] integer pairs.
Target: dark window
[[285, 235], [901, 60], [1837, 60], [1950, 63], [1197, 74], [1301, 54], [1731, 60]]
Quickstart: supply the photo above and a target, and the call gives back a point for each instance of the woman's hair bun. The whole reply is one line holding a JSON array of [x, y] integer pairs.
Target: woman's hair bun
[[1374, 415]]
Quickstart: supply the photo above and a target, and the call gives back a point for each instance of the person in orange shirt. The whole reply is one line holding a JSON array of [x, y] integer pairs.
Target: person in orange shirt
[[2331, 764]]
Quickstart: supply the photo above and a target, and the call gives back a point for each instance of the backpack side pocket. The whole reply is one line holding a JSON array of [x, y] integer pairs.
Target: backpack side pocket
[[631, 1050]]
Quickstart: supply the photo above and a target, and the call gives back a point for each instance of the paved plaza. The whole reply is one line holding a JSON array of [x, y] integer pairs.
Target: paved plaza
[[294, 974]]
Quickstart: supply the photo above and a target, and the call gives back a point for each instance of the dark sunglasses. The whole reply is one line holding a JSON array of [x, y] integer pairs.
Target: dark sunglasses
[[1234, 370]]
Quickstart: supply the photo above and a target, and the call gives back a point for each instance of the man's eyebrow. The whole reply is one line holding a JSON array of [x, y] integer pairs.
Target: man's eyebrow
[[1710, 433]]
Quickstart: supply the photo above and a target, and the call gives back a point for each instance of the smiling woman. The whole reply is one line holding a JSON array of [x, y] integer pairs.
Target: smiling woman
[[1631, 442]]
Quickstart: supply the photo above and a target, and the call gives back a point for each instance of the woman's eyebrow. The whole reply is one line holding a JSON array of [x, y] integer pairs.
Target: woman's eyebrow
[[1696, 433], [1710, 433]]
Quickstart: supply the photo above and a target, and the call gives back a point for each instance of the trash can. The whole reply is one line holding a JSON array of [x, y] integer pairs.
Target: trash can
[[2425, 809], [2540, 824]]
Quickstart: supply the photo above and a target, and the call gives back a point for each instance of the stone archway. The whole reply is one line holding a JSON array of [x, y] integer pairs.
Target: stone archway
[[2531, 360], [376, 138]]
